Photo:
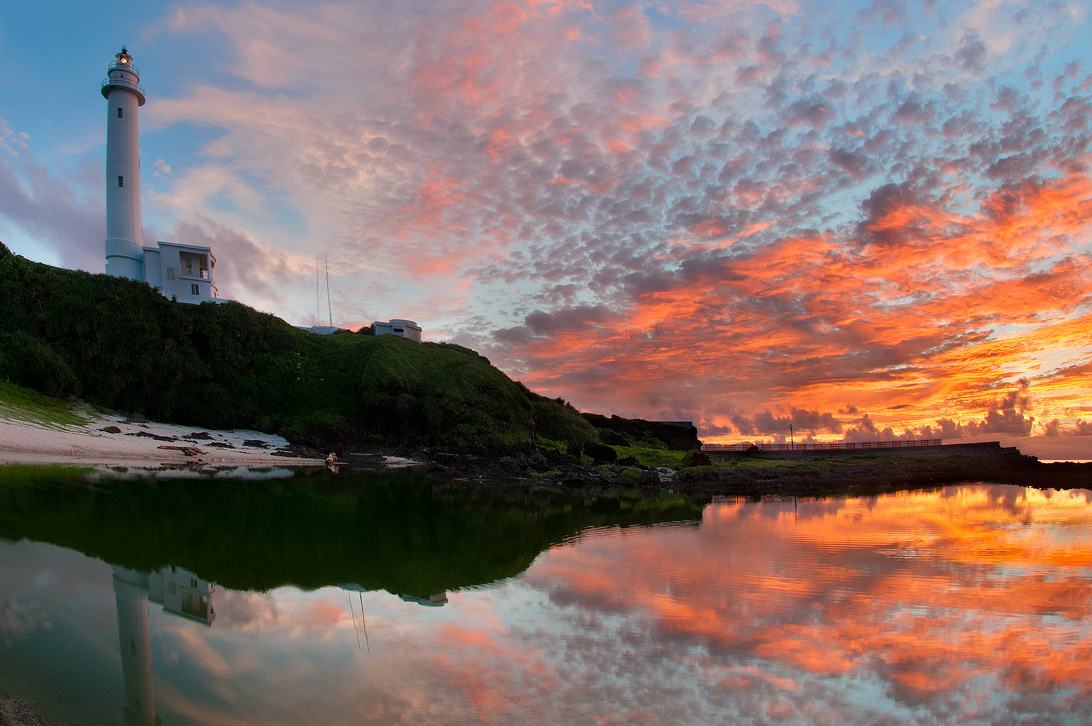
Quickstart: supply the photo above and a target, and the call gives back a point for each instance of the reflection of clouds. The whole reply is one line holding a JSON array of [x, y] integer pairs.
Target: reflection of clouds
[[18, 619], [246, 611], [289, 657], [963, 604], [65, 632], [932, 594]]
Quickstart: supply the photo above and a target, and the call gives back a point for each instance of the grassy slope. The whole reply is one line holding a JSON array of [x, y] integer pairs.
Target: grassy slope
[[24, 404], [118, 344]]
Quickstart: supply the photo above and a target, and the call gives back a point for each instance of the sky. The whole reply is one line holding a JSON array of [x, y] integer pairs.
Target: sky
[[865, 220]]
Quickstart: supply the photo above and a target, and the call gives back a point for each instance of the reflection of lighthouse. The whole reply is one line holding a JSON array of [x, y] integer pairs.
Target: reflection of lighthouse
[[131, 593], [179, 592]]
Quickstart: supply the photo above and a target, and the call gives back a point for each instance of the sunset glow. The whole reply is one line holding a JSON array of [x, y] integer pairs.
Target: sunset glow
[[867, 220]]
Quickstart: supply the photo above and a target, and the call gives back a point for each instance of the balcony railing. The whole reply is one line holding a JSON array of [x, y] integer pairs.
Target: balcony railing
[[122, 81]]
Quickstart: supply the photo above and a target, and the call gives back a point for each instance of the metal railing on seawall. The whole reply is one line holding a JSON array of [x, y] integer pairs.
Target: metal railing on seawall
[[824, 446]]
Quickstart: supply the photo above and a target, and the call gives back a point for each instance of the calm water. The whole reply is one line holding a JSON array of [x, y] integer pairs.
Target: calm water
[[330, 600]]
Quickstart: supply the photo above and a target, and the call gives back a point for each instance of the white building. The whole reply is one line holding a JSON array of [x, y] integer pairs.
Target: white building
[[397, 326], [182, 272], [179, 271]]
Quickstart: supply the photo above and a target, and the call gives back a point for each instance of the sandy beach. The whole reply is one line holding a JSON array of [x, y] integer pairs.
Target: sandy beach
[[117, 441]]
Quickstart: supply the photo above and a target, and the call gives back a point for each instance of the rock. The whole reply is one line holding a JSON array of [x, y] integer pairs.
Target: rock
[[187, 450], [111, 429], [16, 712], [150, 435]]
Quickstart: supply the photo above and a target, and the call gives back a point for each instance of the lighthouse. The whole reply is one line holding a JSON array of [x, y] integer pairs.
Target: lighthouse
[[179, 271], [124, 236]]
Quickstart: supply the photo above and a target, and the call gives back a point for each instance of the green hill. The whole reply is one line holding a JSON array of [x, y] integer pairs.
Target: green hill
[[118, 344]]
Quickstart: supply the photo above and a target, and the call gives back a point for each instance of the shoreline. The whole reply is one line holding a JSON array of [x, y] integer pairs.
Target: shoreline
[[116, 441], [125, 445], [761, 477]]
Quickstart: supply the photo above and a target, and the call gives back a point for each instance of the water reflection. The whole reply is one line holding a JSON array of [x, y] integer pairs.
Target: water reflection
[[181, 593], [397, 532], [965, 605], [969, 600]]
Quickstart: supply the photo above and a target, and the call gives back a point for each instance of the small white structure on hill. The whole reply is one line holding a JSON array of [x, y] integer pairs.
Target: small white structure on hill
[[398, 326], [179, 271], [183, 272]]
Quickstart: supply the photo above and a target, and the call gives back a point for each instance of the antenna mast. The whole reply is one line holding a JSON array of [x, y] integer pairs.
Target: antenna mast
[[329, 314], [318, 292]]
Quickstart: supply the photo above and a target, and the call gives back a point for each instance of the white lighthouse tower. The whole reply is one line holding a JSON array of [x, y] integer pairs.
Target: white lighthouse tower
[[179, 271], [124, 236]]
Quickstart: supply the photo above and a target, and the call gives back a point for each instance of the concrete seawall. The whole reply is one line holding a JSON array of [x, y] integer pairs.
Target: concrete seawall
[[986, 450]]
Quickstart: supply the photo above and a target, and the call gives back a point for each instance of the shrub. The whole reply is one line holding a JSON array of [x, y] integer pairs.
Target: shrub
[[33, 363], [601, 453], [557, 420], [696, 458], [613, 438]]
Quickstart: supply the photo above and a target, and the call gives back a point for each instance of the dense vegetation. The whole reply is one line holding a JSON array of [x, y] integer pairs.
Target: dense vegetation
[[629, 432], [118, 344]]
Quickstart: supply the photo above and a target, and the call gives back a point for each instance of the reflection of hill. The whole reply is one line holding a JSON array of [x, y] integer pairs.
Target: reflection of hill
[[392, 531]]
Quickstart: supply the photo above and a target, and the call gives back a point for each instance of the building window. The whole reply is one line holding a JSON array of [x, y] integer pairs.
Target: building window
[[195, 288], [121, 181], [170, 273], [120, 114]]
